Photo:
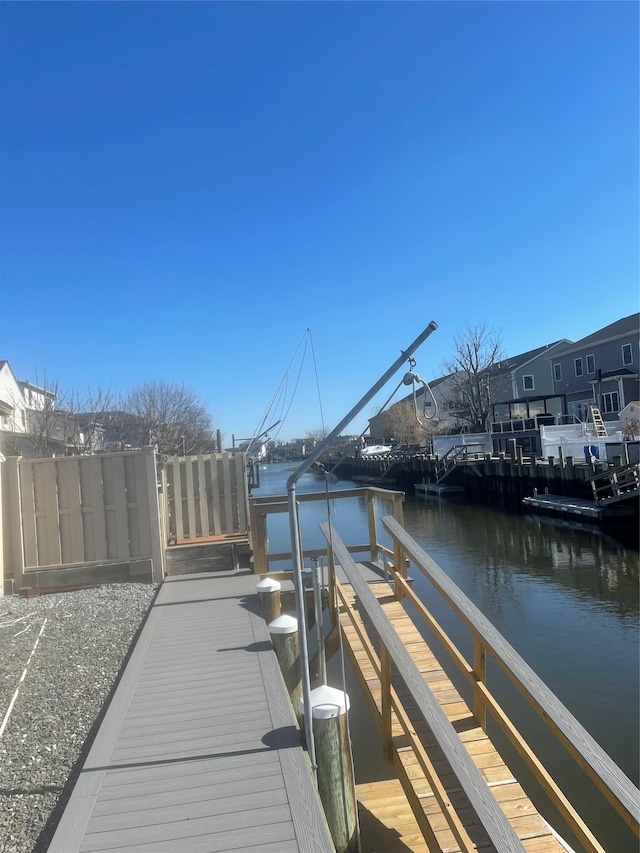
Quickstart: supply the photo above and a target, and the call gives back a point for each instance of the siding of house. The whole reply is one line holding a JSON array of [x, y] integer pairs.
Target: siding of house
[[600, 354], [11, 394], [540, 369]]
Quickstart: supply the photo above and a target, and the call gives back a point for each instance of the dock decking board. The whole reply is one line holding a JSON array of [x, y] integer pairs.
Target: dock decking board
[[199, 750]]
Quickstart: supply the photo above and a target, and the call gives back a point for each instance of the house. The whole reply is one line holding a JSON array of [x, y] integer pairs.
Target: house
[[31, 424], [22, 405], [600, 370]]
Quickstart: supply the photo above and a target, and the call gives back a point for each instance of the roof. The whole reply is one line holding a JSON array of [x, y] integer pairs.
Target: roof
[[625, 326], [515, 361], [614, 374]]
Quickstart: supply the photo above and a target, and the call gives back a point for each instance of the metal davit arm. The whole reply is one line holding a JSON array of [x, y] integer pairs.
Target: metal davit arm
[[294, 527]]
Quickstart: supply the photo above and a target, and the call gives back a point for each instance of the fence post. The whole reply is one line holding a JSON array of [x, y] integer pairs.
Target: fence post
[[259, 540], [157, 545], [371, 521], [2, 475], [15, 521], [385, 686], [336, 784], [480, 672], [398, 512]]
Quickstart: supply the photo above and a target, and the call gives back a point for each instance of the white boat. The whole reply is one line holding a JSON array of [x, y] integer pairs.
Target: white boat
[[375, 450]]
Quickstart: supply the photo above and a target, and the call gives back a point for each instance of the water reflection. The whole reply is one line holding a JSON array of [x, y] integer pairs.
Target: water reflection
[[584, 562]]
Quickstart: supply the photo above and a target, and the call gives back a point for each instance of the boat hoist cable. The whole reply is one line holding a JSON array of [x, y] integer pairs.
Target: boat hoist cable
[[411, 378]]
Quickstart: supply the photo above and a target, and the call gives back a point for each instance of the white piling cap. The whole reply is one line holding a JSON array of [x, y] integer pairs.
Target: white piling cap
[[268, 585], [327, 702], [284, 624]]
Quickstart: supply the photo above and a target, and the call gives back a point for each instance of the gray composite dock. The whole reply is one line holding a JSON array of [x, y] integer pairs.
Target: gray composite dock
[[199, 750]]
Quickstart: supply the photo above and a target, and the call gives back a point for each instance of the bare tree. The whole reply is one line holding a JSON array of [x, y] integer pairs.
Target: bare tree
[[88, 418], [473, 370], [401, 423], [47, 426], [317, 435], [168, 415]]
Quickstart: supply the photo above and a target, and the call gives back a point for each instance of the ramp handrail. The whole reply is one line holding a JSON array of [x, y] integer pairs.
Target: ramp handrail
[[616, 483], [493, 819], [262, 507], [609, 779]]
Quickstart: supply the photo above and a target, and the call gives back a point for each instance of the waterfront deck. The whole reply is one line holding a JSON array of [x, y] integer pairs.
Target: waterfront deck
[[198, 750]]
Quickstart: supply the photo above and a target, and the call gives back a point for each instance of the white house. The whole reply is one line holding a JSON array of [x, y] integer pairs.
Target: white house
[[19, 402], [30, 424]]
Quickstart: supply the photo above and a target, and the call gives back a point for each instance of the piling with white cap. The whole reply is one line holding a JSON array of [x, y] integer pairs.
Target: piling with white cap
[[269, 597], [284, 637], [336, 783]]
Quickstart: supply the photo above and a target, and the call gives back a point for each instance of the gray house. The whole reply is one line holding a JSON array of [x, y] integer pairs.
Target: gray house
[[600, 370]]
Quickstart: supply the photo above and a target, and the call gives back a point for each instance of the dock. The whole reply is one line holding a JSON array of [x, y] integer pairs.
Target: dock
[[575, 508], [199, 750]]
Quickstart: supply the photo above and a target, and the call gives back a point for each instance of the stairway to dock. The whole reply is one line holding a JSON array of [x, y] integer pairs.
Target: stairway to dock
[[534, 833]]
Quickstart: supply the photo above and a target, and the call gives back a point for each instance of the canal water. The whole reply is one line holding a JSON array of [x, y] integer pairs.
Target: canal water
[[566, 598]]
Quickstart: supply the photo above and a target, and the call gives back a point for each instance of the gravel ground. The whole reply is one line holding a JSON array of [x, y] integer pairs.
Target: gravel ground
[[74, 644]]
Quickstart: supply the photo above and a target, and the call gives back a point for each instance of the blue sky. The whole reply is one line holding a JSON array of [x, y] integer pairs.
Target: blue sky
[[187, 187]]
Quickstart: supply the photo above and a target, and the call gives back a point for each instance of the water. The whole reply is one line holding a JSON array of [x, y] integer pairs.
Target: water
[[566, 599]]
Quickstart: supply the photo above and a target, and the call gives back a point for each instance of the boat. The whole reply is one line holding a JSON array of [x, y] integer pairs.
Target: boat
[[376, 450]]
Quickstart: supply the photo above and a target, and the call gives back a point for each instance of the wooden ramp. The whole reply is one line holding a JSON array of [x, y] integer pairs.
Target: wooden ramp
[[387, 822], [531, 829], [199, 750]]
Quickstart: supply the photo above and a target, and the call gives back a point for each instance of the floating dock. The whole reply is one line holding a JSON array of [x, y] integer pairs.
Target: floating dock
[[575, 508]]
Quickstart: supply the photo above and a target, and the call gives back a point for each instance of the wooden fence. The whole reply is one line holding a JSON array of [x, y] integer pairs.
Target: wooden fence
[[206, 496], [81, 519]]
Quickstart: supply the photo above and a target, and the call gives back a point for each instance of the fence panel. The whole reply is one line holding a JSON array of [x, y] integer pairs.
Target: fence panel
[[207, 495], [75, 512]]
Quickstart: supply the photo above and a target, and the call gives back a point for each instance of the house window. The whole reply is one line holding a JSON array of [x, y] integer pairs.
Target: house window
[[527, 383], [557, 372], [609, 402], [578, 364], [627, 355], [591, 364]]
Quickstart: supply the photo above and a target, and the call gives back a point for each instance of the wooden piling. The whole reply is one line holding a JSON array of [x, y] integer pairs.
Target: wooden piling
[[284, 637], [336, 784], [269, 597]]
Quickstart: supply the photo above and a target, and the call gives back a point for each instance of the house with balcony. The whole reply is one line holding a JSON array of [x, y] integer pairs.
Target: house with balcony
[[600, 370], [520, 385]]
